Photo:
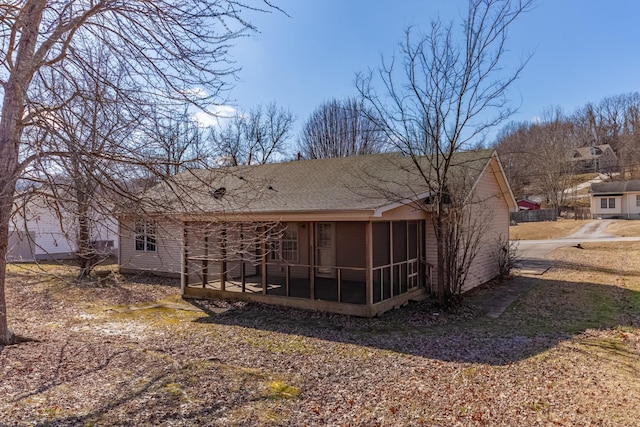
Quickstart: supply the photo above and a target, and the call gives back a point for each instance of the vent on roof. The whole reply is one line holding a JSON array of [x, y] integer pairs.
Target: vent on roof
[[218, 193]]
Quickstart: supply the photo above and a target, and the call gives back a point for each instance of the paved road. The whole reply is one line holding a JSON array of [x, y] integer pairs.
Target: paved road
[[532, 253]]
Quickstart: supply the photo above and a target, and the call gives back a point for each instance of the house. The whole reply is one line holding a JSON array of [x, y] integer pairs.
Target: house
[[349, 235], [528, 205], [597, 158], [619, 199], [42, 230]]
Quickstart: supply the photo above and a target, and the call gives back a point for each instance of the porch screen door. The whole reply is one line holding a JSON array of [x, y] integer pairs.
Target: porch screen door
[[325, 249]]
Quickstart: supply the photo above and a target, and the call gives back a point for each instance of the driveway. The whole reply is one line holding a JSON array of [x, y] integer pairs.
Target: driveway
[[532, 253]]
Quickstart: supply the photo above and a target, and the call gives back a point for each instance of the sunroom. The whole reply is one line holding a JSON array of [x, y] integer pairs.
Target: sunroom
[[361, 268]]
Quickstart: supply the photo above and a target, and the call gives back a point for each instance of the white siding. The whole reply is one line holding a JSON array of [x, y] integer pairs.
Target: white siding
[[54, 233], [596, 208], [166, 258]]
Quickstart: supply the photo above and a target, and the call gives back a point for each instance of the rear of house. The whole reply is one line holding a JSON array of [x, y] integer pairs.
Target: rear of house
[[313, 234]]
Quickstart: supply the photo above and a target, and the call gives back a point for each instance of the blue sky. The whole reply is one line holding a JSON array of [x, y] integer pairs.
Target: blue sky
[[583, 51]]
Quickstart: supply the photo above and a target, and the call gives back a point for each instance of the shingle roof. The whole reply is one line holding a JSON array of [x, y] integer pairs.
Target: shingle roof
[[616, 186], [341, 184], [585, 153]]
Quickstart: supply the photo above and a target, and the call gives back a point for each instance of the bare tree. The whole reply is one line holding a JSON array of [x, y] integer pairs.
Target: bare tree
[[176, 141], [254, 138], [166, 48], [445, 95], [339, 129]]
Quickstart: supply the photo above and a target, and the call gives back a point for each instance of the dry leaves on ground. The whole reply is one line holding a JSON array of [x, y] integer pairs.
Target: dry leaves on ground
[[133, 353]]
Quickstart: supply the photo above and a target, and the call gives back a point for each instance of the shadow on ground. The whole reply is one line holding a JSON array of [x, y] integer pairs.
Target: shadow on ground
[[549, 312]]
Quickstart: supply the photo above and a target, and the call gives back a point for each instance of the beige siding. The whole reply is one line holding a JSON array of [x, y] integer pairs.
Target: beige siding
[[491, 209], [490, 218], [167, 257]]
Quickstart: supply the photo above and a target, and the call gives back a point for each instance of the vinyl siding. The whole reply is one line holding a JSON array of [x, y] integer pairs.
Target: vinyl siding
[[492, 209], [166, 259]]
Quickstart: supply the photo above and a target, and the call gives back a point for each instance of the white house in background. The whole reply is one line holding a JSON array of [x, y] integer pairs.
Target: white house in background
[[39, 232], [620, 199]]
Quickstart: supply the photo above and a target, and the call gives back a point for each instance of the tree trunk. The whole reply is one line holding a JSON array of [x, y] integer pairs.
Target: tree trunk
[[11, 127], [440, 261], [5, 334]]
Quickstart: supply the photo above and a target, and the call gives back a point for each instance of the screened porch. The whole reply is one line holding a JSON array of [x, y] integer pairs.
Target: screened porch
[[359, 268]]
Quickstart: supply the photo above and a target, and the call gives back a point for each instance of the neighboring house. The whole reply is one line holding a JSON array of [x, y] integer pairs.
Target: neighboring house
[[39, 231], [349, 235], [528, 205], [619, 199], [597, 158]]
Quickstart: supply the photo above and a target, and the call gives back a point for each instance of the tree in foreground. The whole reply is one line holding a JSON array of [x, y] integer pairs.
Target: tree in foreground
[[444, 95], [165, 48], [338, 129]]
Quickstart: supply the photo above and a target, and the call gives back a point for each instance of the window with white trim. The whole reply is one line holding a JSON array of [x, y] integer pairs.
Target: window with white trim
[[285, 244], [145, 236], [637, 199], [612, 202], [603, 203]]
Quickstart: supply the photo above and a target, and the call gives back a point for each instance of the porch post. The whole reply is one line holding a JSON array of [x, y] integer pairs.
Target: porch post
[[184, 279], [368, 247], [391, 257], [263, 258], [312, 260], [205, 260], [223, 258], [243, 270]]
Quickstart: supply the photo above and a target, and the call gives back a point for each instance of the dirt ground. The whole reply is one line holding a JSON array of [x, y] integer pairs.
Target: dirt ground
[[132, 353]]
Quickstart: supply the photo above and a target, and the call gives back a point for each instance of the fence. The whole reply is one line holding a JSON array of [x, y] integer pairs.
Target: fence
[[534, 216], [581, 212]]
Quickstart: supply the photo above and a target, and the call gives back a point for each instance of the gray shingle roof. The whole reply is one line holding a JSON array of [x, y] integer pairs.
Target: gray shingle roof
[[616, 186], [359, 183], [585, 153]]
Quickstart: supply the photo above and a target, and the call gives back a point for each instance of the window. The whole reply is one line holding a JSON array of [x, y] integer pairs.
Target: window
[[612, 202], [284, 245], [145, 236], [603, 203], [638, 200]]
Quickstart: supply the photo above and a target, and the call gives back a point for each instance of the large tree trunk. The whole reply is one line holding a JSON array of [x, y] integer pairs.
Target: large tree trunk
[[11, 127]]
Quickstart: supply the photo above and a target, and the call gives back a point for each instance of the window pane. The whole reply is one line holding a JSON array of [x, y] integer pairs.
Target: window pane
[[139, 243], [603, 203], [612, 202]]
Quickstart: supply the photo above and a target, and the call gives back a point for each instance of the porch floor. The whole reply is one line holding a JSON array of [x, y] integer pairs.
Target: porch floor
[[351, 291]]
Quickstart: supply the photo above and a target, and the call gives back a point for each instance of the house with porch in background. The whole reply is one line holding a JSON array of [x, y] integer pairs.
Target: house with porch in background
[[350, 235], [596, 158]]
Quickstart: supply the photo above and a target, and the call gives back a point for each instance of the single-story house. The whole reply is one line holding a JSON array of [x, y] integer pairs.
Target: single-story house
[[618, 199], [350, 235], [528, 205], [596, 158], [43, 230]]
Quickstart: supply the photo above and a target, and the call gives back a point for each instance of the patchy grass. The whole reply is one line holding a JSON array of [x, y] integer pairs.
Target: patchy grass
[[624, 228], [545, 230], [134, 353]]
